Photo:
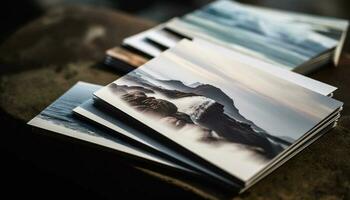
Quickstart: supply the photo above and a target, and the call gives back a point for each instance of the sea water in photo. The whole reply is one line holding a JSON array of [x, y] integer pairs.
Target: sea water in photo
[[286, 41]]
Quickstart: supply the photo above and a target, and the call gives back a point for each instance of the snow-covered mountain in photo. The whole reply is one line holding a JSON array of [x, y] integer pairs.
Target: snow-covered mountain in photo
[[203, 107]]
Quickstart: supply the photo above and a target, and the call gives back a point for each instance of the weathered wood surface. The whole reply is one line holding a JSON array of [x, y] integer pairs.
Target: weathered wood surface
[[46, 57]]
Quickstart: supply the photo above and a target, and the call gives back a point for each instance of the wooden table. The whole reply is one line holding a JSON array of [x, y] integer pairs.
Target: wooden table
[[49, 55]]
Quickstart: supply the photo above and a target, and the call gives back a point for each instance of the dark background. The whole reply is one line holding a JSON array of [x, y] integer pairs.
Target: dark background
[[15, 13]]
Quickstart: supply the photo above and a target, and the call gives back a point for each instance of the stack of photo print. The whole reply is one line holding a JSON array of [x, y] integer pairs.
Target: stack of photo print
[[216, 95]]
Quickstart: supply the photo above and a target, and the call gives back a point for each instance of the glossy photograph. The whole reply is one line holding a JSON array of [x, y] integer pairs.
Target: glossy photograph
[[59, 118], [286, 40], [237, 117]]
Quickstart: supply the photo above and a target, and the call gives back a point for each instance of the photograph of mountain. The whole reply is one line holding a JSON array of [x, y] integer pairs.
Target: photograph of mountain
[[286, 41], [202, 107], [231, 114]]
